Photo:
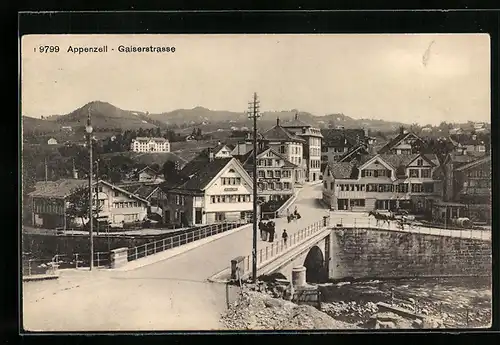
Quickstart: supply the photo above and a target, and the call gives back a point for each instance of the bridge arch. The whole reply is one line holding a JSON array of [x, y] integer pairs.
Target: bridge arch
[[315, 266]]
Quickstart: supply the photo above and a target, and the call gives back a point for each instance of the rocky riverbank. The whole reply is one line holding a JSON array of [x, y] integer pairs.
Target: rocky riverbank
[[255, 310], [266, 306]]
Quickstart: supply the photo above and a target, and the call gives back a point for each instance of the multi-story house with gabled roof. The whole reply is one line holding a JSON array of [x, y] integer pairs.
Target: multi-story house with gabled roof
[[404, 143], [383, 182], [311, 148]]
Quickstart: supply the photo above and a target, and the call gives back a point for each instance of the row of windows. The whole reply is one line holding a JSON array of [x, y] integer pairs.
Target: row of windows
[[232, 181], [424, 173], [274, 174], [296, 160], [269, 162], [376, 173], [215, 199], [315, 141], [315, 164], [314, 151], [383, 188], [179, 199], [477, 173], [127, 218], [126, 204], [274, 186]]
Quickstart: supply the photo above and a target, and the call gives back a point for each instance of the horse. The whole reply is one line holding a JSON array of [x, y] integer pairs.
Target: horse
[[380, 218]]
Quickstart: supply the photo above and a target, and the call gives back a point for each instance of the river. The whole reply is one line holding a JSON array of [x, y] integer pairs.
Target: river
[[459, 301]]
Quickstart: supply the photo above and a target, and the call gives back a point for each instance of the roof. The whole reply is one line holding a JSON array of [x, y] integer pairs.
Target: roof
[[395, 140], [148, 168], [248, 157], [333, 137], [281, 134], [197, 174], [433, 158], [142, 190], [150, 139], [353, 150], [342, 170], [398, 160], [63, 188], [474, 163]]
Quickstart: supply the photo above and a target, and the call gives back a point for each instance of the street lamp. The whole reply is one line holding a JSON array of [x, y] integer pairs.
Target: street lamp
[[89, 130]]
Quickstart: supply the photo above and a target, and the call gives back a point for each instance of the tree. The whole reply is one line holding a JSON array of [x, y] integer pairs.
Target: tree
[[170, 170], [79, 204]]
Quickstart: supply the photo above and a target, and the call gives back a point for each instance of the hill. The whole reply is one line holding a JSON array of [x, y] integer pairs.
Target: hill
[[213, 120], [33, 125], [104, 116]]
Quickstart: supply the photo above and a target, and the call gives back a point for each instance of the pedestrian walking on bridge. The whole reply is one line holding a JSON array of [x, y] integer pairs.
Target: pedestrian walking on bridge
[[284, 236]]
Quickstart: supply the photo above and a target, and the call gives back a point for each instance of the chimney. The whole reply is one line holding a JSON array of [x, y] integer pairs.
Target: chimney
[[277, 121], [401, 130], [218, 143], [296, 116]]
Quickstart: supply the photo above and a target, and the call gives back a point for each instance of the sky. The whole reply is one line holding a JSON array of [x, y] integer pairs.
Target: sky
[[423, 79]]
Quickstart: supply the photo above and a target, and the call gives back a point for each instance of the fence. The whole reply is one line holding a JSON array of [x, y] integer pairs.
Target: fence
[[370, 223], [178, 240], [277, 248], [50, 266]]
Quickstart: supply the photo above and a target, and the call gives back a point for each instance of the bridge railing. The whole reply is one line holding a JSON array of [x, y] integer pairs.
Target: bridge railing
[[371, 223], [275, 249], [152, 248]]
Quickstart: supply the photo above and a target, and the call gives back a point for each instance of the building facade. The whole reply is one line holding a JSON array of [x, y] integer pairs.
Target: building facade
[[404, 143], [382, 182], [117, 205], [142, 144], [312, 146], [338, 142], [213, 191], [275, 175]]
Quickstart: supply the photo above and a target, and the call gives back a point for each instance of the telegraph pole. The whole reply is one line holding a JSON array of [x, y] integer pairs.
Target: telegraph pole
[[88, 129], [253, 112], [97, 196]]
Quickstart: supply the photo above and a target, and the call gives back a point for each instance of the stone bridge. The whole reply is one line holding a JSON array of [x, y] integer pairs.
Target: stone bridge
[[359, 253]]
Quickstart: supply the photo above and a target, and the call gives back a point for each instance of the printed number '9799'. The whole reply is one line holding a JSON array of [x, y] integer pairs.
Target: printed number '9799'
[[47, 49]]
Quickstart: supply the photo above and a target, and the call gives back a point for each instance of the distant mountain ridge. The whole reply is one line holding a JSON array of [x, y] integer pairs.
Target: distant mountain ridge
[[106, 115]]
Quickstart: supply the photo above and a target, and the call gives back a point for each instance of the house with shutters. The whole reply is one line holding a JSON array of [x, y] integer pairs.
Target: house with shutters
[[208, 191], [275, 174], [117, 205], [383, 182]]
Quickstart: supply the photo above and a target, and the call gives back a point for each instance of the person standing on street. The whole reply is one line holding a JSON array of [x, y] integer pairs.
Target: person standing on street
[[284, 236]]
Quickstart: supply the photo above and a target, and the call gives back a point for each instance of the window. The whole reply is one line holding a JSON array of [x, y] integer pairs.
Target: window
[[279, 185], [420, 162], [357, 203], [282, 149], [271, 185], [331, 185], [261, 173], [413, 172], [269, 162], [117, 193], [182, 200], [426, 173], [277, 174], [212, 199], [177, 199], [270, 174], [277, 162], [325, 185], [428, 187], [416, 188], [286, 185]]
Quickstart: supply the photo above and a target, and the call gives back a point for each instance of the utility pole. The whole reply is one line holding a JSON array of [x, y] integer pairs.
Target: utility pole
[[88, 129], [97, 196], [46, 172], [253, 112]]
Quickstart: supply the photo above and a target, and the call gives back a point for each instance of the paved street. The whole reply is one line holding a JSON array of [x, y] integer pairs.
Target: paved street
[[167, 295]]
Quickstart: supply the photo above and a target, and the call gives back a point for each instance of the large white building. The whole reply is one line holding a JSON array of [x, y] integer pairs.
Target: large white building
[[142, 144], [312, 146], [209, 191]]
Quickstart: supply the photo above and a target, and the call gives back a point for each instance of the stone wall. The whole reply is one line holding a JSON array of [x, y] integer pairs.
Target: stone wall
[[361, 253]]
